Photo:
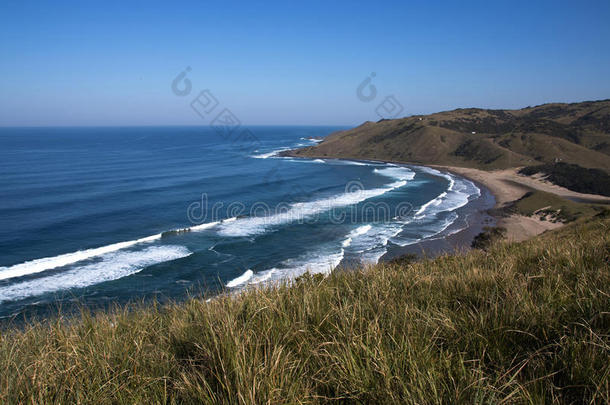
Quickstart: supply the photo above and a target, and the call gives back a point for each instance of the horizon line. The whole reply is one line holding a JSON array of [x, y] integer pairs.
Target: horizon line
[[171, 125]]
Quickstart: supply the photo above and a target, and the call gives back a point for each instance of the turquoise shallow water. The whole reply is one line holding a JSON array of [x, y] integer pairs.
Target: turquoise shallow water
[[107, 215]]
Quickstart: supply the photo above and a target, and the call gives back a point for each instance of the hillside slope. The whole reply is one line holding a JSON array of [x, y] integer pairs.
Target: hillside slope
[[576, 133], [521, 323]]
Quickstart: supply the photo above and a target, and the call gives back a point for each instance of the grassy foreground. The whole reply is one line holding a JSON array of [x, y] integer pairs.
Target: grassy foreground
[[521, 323]]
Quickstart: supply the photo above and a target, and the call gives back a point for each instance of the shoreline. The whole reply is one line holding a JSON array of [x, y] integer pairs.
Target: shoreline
[[473, 217], [505, 186], [476, 215], [508, 186]]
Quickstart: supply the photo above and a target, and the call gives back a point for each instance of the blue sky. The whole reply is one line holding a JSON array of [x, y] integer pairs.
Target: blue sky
[[112, 63]]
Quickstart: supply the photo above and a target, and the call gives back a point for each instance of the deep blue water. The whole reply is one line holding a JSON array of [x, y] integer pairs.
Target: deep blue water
[[85, 212]]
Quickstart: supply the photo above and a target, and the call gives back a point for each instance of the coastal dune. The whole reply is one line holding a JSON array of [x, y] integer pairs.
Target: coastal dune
[[508, 186]]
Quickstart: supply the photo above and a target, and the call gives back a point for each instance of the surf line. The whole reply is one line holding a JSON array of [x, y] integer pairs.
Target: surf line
[[49, 263]]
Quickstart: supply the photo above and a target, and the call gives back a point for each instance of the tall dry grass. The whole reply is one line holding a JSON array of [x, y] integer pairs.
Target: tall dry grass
[[521, 323]]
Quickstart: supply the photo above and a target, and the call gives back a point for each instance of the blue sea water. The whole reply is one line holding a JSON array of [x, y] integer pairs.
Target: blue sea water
[[108, 215]]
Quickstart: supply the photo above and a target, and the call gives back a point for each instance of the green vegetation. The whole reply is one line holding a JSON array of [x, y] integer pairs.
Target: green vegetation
[[576, 133], [552, 207], [573, 177], [519, 323], [488, 237]]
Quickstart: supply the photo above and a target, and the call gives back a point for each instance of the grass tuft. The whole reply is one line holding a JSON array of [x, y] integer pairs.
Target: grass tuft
[[518, 323]]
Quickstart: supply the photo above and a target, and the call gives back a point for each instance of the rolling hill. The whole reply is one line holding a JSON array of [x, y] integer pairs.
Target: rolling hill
[[577, 133]]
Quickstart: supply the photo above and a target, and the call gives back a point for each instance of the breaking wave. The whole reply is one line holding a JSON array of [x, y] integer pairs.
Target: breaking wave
[[299, 211], [111, 267]]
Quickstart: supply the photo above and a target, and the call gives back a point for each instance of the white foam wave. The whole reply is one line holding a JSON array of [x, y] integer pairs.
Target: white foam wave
[[452, 180], [432, 216], [112, 267], [241, 279], [273, 153], [429, 231], [300, 211], [209, 225], [263, 276], [458, 194], [361, 230], [371, 244], [48, 263], [434, 202], [351, 162], [317, 263], [321, 262], [204, 226], [396, 172], [304, 160], [372, 255], [312, 140]]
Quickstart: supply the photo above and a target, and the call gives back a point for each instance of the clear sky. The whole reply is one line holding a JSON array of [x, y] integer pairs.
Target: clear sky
[[112, 63]]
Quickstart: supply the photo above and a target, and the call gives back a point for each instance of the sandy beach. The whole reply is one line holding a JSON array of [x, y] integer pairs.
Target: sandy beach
[[507, 186]]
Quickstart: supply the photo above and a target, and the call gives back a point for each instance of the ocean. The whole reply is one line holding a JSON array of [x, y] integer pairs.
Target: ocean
[[100, 216]]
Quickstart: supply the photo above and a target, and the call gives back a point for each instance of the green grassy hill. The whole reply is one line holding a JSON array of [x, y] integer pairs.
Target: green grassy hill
[[519, 323], [576, 133]]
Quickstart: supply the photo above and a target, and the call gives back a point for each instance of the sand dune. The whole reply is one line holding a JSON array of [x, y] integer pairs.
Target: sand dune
[[507, 186]]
